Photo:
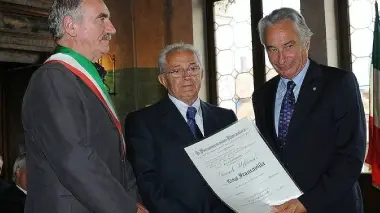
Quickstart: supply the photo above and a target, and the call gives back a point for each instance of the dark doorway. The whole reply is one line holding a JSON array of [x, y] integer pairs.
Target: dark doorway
[[14, 79]]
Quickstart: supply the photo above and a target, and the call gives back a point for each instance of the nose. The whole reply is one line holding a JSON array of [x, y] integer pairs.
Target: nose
[[281, 57], [110, 28], [185, 73]]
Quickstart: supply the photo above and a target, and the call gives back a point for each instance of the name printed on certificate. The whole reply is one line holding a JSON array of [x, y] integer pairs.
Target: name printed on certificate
[[242, 170]]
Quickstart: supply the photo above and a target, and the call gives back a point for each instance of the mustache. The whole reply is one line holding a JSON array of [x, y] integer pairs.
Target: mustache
[[107, 36]]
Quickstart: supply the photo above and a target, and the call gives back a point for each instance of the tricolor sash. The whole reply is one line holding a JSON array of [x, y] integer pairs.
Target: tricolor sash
[[70, 63]]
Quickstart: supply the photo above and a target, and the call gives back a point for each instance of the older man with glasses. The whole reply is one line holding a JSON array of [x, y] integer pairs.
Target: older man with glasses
[[157, 135]]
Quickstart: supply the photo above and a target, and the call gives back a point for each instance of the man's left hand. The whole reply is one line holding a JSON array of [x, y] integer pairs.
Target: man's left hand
[[141, 209], [291, 206]]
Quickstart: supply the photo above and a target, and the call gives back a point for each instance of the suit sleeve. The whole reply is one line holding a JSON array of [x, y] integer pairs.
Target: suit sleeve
[[141, 154], [254, 103], [55, 118], [350, 148], [233, 116], [256, 110]]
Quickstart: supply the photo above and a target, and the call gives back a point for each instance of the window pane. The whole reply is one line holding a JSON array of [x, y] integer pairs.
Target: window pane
[[270, 5], [233, 41], [362, 16]]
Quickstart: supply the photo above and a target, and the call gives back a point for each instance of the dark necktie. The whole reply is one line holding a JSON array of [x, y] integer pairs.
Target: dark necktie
[[286, 112], [102, 72], [190, 115]]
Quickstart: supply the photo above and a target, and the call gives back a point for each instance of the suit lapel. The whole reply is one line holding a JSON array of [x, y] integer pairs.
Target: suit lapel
[[174, 123], [210, 120], [309, 92], [269, 113]]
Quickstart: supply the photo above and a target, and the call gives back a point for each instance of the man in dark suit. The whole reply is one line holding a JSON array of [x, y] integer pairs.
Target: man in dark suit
[[157, 135], [312, 117], [74, 143], [12, 200]]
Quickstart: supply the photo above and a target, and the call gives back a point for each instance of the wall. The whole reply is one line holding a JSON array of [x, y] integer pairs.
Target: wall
[[144, 27], [331, 34], [320, 17], [199, 40]]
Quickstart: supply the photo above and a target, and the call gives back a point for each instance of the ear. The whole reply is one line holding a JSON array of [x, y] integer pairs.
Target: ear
[[17, 173], [69, 26], [162, 80]]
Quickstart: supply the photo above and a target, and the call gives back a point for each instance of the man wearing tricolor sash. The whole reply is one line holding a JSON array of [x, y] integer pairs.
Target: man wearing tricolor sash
[[74, 142]]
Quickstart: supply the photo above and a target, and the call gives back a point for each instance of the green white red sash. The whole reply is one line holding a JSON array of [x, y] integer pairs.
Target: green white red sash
[[72, 64]]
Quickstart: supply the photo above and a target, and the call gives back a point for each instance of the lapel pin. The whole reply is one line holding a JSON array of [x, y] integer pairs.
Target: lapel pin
[[314, 88]]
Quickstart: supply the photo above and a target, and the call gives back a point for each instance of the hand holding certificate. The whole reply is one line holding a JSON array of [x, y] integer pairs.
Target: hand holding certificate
[[242, 170]]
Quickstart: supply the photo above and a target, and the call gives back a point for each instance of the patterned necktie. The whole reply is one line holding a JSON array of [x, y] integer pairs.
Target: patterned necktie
[[286, 112], [190, 115]]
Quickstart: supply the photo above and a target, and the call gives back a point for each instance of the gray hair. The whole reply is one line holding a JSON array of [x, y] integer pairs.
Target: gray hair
[[177, 47], [282, 14], [20, 163], [60, 9]]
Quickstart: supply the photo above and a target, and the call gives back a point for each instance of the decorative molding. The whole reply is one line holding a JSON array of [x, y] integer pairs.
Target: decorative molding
[[22, 24], [24, 30], [45, 4], [28, 43], [20, 56]]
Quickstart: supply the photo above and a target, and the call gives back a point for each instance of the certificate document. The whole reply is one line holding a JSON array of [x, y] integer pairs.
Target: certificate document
[[242, 170]]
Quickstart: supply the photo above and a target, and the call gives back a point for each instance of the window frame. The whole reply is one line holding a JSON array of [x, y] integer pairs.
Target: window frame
[[258, 51]]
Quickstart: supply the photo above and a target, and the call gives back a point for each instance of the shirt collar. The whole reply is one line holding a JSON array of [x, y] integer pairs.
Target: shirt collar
[[183, 106], [300, 76], [23, 190]]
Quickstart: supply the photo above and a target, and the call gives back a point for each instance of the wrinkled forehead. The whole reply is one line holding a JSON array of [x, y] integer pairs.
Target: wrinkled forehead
[[281, 32], [182, 57]]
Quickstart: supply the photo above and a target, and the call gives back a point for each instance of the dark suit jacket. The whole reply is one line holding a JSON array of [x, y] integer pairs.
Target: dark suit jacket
[[168, 181], [3, 185], [12, 200], [326, 138], [73, 148]]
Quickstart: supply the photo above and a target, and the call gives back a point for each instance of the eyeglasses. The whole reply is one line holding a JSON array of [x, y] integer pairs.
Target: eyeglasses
[[179, 72]]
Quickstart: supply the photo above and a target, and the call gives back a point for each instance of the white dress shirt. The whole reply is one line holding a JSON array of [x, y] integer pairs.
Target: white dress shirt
[[182, 107], [23, 190], [281, 90]]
